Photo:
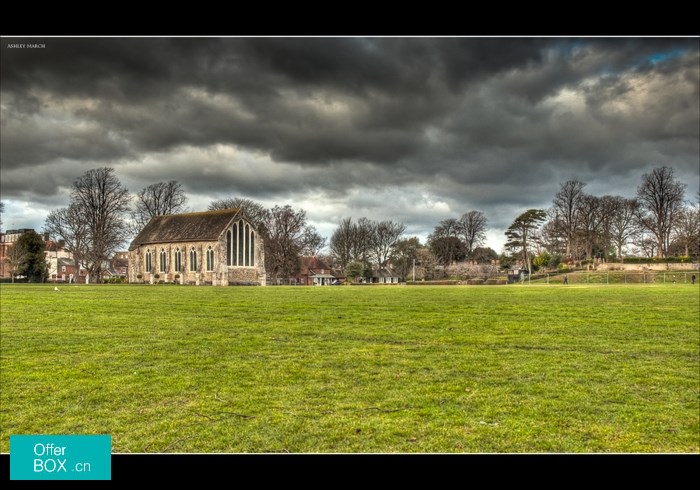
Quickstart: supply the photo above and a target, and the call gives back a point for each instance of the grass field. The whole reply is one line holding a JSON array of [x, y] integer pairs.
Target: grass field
[[355, 369]]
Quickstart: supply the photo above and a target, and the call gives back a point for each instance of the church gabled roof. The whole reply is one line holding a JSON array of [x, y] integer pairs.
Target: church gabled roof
[[186, 227]]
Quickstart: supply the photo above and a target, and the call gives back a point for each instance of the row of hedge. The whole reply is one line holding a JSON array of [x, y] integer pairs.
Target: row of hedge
[[433, 283], [683, 259]]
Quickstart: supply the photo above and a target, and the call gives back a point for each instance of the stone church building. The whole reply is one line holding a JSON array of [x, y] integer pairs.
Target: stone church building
[[220, 248]]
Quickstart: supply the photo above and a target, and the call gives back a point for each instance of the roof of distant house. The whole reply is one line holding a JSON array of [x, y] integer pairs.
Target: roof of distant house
[[186, 227], [384, 272], [120, 263], [311, 264]]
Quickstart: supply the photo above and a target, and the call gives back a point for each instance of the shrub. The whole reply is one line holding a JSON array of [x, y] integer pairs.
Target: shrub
[[542, 260], [113, 280], [554, 261]]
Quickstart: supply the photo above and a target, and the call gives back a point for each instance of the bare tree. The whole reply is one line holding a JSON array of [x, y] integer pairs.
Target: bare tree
[[686, 228], [566, 211], [254, 211], [69, 225], [623, 223], [157, 200], [472, 227], [646, 243], [312, 241], [551, 238], [363, 231], [14, 256], [99, 202], [589, 222], [341, 244], [2, 210], [661, 199], [385, 236], [284, 241], [607, 207]]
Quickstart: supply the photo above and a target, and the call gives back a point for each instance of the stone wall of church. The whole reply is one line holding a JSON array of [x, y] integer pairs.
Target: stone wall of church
[[220, 275]]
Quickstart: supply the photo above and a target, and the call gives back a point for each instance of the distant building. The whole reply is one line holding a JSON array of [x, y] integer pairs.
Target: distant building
[[213, 247], [7, 239], [62, 266], [314, 272], [119, 265], [383, 275]]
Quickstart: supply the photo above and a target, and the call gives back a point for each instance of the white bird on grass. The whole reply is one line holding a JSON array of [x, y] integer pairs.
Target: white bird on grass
[[55, 288]]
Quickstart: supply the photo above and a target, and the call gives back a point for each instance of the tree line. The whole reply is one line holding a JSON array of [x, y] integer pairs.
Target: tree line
[[659, 222]]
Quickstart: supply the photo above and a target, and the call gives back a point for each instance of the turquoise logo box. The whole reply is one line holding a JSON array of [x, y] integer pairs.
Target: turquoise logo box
[[61, 457]]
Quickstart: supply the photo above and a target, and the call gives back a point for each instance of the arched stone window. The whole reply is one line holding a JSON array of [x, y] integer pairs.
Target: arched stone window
[[162, 260], [234, 245], [148, 260], [241, 243], [210, 259], [252, 248], [193, 260], [247, 242], [178, 260], [229, 244]]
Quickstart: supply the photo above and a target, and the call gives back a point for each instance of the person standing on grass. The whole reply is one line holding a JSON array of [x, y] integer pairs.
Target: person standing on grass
[[566, 279], [692, 279]]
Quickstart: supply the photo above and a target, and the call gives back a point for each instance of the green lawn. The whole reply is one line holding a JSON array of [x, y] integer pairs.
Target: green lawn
[[355, 369]]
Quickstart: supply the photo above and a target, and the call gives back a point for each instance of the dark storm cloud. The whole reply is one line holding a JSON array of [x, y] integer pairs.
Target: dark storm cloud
[[150, 90], [469, 123]]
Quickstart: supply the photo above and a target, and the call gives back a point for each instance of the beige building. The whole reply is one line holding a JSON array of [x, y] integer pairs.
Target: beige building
[[220, 248]]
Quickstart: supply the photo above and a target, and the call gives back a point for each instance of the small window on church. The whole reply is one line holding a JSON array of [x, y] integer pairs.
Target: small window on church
[[229, 244], [241, 244], [210, 259], [162, 260], [178, 260], [148, 260], [193, 260]]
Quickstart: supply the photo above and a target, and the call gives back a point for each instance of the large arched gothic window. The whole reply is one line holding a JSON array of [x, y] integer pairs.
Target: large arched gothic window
[[240, 245]]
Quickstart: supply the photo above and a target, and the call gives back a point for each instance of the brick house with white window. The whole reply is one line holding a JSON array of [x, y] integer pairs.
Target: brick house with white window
[[314, 272]]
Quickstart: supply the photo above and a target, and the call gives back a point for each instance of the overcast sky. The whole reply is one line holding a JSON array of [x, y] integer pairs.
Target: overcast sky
[[415, 130]]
